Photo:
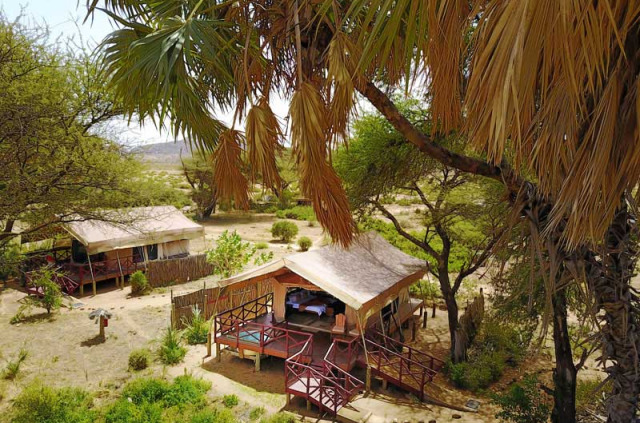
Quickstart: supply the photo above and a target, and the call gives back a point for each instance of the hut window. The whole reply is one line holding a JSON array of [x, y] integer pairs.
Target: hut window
[[152, 251], [138, 254]]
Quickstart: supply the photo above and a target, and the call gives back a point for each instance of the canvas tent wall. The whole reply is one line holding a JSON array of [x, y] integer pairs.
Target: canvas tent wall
[[135, 227], [365, 277]]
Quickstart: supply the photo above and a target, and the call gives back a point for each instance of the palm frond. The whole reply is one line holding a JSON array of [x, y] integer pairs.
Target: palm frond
[[318, 179], [231, 184], [263, 143]]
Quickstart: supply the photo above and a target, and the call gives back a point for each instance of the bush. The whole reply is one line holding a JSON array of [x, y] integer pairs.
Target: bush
[[256, 413], [297, 213], [230, 401], [523, 403], [591, 394], [145, 390], [171, 351], [123, 411], [51, 297], [38, 403], [285, 231], [230, 255], [197, 328], [13, 366], [139, 359], [495, 347], [281, 417], [425, 290], [139, 283], [261, 245], [305, 243], [213, 416]]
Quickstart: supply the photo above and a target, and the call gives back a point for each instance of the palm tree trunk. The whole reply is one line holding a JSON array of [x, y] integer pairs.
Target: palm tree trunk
[[564, 373], [610, 283]]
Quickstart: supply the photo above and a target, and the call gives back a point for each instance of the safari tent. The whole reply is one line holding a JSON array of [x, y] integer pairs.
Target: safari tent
[[126, 240]]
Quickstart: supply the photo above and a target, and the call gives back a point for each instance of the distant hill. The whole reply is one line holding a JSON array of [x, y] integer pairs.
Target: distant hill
[[167, 153]]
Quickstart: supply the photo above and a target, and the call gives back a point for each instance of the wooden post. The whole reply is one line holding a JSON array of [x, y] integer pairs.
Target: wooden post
[[209, 344], [433, 312], [102, 327], [120, 267], [81, 286], [258, 355], [367, 381], [218, 356], [288, 399], [173, 315], [385, 384], [414, 328], [92, 276], [308, 405], [424, 320]]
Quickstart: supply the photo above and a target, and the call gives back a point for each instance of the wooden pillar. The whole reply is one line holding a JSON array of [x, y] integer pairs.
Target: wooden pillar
[[258, 355], [385, 384], [93, 279], [218, 356], [288, 399], [209, 344], [308, 405], [121, 274], [414, 328], [433, 312], [81, 286], [367, 381], [424, 320]]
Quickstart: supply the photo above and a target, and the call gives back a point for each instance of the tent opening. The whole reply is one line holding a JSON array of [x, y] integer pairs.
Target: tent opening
[[312, 310]]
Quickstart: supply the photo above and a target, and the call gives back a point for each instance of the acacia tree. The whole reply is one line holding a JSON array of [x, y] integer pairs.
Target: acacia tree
[[461, 219], [56, 166], [545, 92], [199, 175]]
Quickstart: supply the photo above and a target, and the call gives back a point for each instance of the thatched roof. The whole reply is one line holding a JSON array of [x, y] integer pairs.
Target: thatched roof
[[369, 270]]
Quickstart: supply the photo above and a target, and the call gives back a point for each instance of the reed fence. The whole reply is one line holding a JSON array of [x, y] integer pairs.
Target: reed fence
[[214, 300], [179, 270]]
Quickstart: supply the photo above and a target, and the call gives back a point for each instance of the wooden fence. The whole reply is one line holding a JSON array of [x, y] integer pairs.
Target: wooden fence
[[178, 270], [215, 300]]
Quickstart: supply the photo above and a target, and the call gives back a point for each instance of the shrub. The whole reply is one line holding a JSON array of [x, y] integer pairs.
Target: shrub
[[197, 328], [425, 290], [123, 411], [230, 255], [256, 413], [263, 258], [13, 366], [281, 417], [297, 213], [146, 390], [43, 404], [139, 283], [51, 295], [285, 231], [261, 245], [171, 351], [591, 394], [522, 403], [495, 347], [213, 416], [139, 359], [305, 243], [187, 390], [230, 401]]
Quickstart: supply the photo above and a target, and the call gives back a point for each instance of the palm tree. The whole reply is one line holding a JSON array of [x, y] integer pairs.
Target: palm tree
[[546, 89]]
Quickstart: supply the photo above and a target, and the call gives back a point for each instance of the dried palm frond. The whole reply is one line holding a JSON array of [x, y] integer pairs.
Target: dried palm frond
[[565, 104], [231, 184], [318, 180], [263, 143], [342, 64]]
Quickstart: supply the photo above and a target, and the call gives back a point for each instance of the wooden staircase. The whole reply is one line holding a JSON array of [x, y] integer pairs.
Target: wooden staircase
[[401, 364], [324, 384]]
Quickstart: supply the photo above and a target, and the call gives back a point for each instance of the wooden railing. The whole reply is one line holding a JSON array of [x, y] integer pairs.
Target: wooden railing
[[346, 349], [122, 266], [422, 357], [65, 283], [400, 368], [325, 384], [228, 319], [260, 335]]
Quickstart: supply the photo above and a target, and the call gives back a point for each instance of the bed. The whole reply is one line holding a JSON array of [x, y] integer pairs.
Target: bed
[[304, 301]]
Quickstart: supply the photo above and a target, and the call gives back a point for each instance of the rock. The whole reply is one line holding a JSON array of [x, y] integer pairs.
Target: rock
[[457, 416]]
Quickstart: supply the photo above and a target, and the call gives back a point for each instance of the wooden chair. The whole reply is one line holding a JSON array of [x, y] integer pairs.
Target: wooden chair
[[340, 326]]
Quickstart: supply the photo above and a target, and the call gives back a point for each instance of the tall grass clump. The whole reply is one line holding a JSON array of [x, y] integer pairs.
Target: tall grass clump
[[12, 368], [197, 328], [171, 350]]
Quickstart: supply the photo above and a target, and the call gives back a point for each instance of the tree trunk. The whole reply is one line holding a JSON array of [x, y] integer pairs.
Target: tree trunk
[[610, 283], [209, 210], [564, 374], [452, 315]]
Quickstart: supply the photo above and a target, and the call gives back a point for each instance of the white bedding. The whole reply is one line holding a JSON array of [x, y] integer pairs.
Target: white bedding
[[319, 308]]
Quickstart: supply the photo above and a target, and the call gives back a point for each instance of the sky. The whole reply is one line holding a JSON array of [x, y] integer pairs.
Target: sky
[[65, 20]]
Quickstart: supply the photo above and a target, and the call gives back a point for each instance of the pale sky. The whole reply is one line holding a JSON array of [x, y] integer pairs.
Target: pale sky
[[64, 19]]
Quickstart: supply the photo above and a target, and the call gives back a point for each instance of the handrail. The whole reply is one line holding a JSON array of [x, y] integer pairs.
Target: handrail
[[413, 351], [251, 309]]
